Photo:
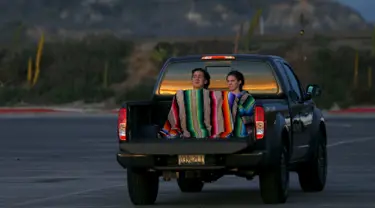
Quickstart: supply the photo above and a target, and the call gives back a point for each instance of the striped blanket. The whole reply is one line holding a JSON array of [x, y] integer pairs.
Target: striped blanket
[[209, 114]]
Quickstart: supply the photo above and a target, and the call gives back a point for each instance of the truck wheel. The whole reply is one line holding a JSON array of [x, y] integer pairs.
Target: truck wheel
[[274, 183], [312, 175], [143, 186]]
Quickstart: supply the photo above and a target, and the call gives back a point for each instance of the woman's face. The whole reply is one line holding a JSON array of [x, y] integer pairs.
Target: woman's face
[[233, 83]]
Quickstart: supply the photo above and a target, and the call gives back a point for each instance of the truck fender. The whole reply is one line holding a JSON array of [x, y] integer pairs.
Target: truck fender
[[318, 125], [274, 139]]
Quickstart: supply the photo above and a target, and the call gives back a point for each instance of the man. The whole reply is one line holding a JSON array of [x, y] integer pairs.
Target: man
[[200, 78], [175, 126]]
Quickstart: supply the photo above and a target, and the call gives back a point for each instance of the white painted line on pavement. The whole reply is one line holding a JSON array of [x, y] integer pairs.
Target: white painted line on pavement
[[338, 125], [34, 201], [364, 139]]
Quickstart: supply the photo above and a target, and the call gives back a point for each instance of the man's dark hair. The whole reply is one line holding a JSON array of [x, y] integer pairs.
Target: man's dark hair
[[205, 74], [239, 76]]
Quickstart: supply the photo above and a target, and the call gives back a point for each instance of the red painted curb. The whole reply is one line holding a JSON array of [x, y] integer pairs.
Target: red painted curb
[[28, 110], [351, 110], [115, 111], [112, 111]]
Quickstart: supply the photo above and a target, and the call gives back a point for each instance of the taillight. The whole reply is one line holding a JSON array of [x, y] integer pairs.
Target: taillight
[[259, 122], [121, 124]]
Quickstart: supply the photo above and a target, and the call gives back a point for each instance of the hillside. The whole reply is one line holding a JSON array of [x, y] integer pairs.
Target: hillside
[[151, 18]]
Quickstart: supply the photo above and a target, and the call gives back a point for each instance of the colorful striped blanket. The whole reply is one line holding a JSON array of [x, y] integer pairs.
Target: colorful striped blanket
[[209, 114]]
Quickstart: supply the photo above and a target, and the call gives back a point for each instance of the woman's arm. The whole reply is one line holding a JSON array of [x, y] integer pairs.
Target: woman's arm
[[246, 108]]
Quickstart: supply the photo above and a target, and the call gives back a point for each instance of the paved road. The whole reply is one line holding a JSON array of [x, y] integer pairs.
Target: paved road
[[68, 162]]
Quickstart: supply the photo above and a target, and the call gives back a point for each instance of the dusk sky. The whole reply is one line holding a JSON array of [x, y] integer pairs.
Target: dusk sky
[[365, 7]]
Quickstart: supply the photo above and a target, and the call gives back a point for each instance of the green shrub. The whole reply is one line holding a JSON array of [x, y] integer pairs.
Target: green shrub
[[70, 70]]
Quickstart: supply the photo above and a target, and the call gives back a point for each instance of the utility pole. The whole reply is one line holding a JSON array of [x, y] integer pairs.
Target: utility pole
[[303, 23], [238, 38], [255, 25]]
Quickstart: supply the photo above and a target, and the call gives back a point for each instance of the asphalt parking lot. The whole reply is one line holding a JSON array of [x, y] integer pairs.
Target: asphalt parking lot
[[69, 162]]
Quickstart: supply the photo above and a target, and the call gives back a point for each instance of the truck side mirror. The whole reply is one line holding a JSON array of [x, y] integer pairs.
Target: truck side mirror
[[312, 90]]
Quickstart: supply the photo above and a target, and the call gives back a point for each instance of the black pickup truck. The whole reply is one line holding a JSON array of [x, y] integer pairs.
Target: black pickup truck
[[289, 132]]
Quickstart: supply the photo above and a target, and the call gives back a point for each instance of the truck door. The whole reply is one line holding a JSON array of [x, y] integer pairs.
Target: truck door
[[302, 115]]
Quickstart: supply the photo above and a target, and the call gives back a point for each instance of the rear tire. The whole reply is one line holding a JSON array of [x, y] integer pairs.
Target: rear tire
[[274, 183], [189, 185], [143, 186], [312, 175]]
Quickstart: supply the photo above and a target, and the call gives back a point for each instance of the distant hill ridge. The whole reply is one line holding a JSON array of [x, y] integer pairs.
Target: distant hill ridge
[[148, 18]]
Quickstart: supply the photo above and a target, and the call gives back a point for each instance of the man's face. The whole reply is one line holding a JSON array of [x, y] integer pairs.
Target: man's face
[[198, 80]]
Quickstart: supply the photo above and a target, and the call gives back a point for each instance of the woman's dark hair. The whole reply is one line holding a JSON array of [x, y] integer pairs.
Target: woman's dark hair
[[205, 74], [239, 76]]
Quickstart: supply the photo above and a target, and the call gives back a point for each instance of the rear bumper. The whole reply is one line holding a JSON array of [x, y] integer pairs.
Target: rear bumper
[[181, 146], [163, 154], [213, 161]]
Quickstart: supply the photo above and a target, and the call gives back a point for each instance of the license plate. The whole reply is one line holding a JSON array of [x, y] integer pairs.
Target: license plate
[[191, 160]]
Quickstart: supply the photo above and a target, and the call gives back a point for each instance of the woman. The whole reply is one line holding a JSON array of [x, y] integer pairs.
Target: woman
[[236, 81], [241, 104]]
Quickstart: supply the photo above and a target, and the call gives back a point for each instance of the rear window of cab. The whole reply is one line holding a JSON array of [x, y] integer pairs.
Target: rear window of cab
[[259, 75]]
